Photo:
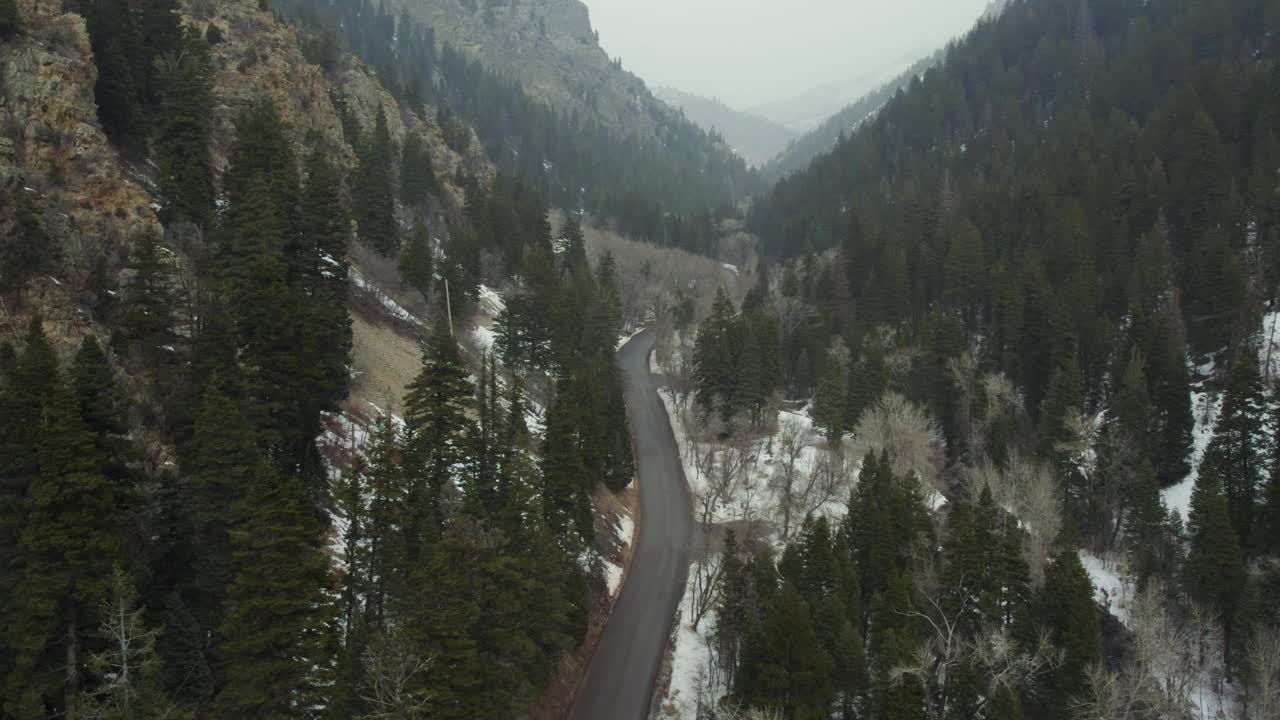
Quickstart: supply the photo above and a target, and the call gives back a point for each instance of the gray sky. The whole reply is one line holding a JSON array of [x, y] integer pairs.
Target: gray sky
[[749, 52]]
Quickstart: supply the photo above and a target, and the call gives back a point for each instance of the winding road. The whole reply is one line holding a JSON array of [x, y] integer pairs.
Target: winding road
[[619, 682]]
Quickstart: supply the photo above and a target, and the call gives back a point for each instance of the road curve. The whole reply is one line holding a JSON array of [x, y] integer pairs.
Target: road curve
[[619, 682]]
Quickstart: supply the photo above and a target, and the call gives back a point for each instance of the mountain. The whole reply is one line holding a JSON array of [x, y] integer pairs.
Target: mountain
[[806, 110], [547, 103], [754, 138], [801, 151]]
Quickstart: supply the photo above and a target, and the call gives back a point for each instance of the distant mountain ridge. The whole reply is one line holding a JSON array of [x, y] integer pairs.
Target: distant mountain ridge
[[800, 152], [755, 138], [807, 109]]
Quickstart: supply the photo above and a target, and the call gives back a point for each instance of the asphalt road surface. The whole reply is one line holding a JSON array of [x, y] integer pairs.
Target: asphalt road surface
[[619, 682]]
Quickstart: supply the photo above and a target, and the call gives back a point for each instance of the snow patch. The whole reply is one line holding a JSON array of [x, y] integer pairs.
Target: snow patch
[[624, 339], [491, 303], [390, 305], [1111, 589], [691, 657], [484, 338]]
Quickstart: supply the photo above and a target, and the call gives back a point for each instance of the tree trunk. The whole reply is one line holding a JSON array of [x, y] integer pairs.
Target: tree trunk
[[72, 687]]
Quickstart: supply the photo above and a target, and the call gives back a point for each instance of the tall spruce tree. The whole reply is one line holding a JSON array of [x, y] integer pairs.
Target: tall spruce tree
[[784, 665], [149, 298], [68, 545], [273, 647], [1066, 609], [417, 266], [183, 121], [1214, 572], [375, 190], [1240, 450], [440, 446], [27, 249]]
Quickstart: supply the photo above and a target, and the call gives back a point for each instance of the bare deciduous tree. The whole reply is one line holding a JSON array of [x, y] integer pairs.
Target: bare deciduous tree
[[1002, 660], [1263, 655], [907, 433], [1027, 489], [392, 669], [793, 438]]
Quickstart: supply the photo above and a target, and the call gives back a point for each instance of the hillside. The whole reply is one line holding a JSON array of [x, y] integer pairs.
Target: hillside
[[756, 139], [547, 104], [235, 418]]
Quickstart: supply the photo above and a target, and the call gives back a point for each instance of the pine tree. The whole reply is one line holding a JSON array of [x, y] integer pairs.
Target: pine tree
[[387, 524], [784, 665], [216, 473], [26, 387], [10, 20], [966, 273], [149, 299], [68, 547], [416, 261], [442, 617], [1144, 524], [829, 400], [160, 35], [1214, 572], [440, 432], [417, 177], [183, 121], [27, 250], [868, 379], [713, 355], [273, 635], [575, 246], [376, 192], [566, 488], [113, 32], [183, 649], [1239, 451], [318, 282], [1066, 609], [1170, 392], [1065, 396]]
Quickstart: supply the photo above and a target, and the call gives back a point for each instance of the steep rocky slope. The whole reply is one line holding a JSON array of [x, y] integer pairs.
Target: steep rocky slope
[[550, 47], [94, 203]]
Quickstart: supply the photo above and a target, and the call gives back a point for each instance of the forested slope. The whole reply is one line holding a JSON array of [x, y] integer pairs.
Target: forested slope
[[997, 301], [184, 244], [641, 166]]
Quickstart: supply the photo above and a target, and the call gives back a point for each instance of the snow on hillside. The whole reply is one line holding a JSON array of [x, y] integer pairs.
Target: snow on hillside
[[391, 306], [490, 302], [1205, 406], [1112, 588], [483, 337]]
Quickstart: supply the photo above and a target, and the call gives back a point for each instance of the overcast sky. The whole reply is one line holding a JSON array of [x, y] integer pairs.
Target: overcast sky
[[750, 52]]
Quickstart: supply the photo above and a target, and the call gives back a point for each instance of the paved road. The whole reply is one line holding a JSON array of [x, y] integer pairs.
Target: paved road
[[619, 682]]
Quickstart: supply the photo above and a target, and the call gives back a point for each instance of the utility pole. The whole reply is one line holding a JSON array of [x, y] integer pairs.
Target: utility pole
[[448, 306]]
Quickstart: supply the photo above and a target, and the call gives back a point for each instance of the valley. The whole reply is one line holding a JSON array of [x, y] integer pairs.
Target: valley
[[421, 359]]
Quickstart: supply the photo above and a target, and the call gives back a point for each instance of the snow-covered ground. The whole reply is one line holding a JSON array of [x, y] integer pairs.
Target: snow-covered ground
[[1206, 407], [1112, 588], [690, 658], [613, 572]]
